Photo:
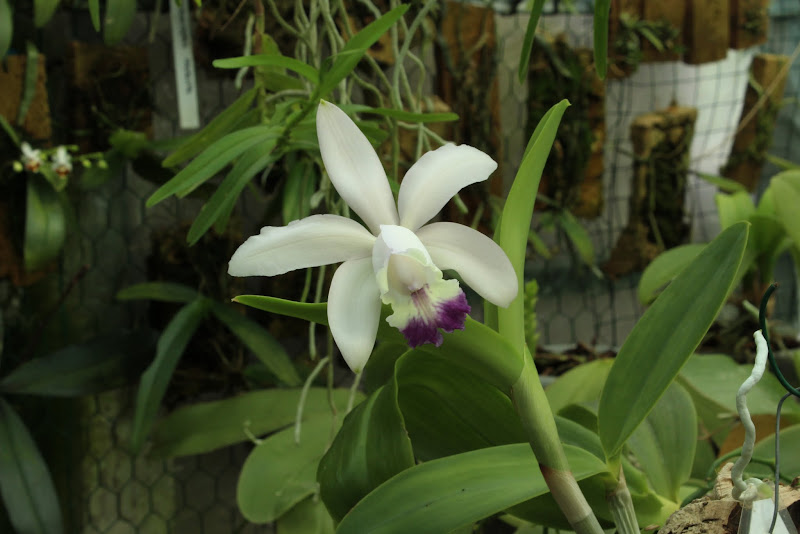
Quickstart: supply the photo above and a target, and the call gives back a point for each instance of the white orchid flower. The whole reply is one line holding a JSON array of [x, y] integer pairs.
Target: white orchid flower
[[31, 159], [62, 162], [397, 259]]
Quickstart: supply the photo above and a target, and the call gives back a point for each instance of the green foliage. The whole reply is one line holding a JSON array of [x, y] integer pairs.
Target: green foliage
[[45, 224]]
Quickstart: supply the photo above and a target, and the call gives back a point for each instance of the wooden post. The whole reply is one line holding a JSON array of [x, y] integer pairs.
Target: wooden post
[[749, 22], [754, 134], [661, 143], [707, 33]]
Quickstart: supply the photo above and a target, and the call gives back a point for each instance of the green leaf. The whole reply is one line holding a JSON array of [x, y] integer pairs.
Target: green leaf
[[270, 60], [512, 235], [260, 341], [445, 494], [601, 12], [666, 336], [223, 200], [45, 224], [297, 191], [664, 269], [280, 473], [307, 517], [348, 57], [527, 43], [665, 442], [786, 187], [6, 26], [724, 184], [43, 11], [26, 486], [219, 126], [207, 426], [314, 313], [578, 236], [155, 379], [94, 13], [371, 447], [118, 19], [402, 115], [104, 363], [790, 455], [734, 207], [29, 87], [212, 160], [161, 291], [581, 384]]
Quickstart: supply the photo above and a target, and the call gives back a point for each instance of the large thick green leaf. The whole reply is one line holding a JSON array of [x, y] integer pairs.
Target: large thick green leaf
[[665, 442], [581, 384], [280, 473], [445, 494], [734, 207], [527, 42], [270, 60], [666, 336], [212, 160], [155, 379], [45, 224], [371, 447], [206, 426], [219, 126], [786, 187], [307, 517], [118, 19], [6, 26], [162, 291], [43, 11], [26, 486], [512, 235], [790, 452], [221, 203], [348, 57], [101, 364], [664, 268], [260, 341]]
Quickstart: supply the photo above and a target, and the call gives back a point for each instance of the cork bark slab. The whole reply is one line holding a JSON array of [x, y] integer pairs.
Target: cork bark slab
[[754, 133], [635, 8], [749, 22], [12, 82], [673, 13], [707, 31]]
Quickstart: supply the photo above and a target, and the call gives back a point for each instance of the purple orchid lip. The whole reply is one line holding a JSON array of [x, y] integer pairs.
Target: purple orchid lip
[[448, 315]]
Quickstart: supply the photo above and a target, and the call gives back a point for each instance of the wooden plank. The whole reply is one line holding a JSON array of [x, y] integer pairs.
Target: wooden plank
[[749, 22], [707, 33], [754, 134]]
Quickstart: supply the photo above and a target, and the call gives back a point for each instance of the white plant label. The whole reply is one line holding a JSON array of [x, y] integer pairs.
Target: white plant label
[[183, 56]]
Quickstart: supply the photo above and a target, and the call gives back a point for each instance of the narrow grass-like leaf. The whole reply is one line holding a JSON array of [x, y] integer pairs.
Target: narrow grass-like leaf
[[104, 363], [512, 235], [314, 313], [601, 14], [212, 160], [29, 85], [279, 472], [445, 494], [7, 128], [260, 341], [207, 426], [155, 379], [43, 11], [6, 26], [527, 43], [26, 486], [578, 236], [402, 115], [118, 19], [664, 268], [94, 13], [161, 291], [666, 336], [724, 184], [221, 203], [45, 224], [219, 126], [297, 190], [270, 60], [352, 52]]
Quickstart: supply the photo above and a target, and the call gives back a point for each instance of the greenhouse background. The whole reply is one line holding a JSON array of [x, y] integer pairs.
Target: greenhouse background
[[112, 491]]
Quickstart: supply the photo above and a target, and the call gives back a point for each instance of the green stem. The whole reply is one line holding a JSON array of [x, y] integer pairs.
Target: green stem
[[537, 419], [621, 506]]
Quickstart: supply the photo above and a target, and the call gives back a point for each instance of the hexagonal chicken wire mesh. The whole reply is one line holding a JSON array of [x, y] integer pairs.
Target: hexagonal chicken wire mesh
[[113, 491]]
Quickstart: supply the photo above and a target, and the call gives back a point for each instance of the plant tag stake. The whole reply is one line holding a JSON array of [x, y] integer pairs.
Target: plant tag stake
[[183, 57], [756, 519]]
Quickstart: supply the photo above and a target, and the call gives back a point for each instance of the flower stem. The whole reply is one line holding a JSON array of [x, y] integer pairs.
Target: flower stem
[[537, 419]]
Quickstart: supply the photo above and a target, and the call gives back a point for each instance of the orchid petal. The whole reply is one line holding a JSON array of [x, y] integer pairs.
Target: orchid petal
[[354, 309], [397, 240], [436, 177], [480, 261], [310, 242], [354, 168]]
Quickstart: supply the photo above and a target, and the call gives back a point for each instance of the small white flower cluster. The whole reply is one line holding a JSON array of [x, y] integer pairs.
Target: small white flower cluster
[[33, 159]]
